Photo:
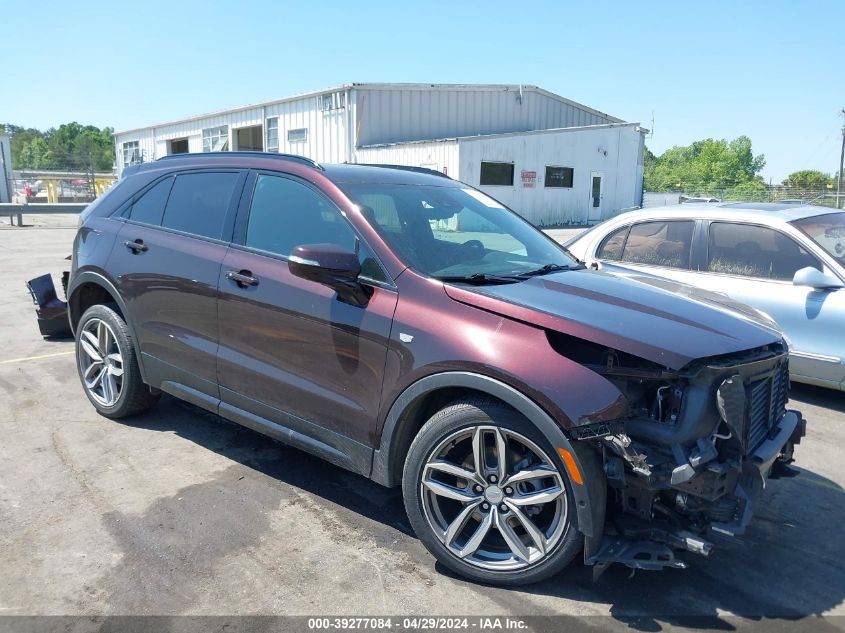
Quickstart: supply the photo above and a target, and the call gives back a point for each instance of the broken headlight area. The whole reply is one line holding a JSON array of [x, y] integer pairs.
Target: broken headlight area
[[689, 462]]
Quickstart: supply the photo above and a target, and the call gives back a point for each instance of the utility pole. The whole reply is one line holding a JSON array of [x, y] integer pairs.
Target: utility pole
[[841, 160]]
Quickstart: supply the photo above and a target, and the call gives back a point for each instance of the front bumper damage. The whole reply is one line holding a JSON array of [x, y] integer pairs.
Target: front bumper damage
[[685, 481]]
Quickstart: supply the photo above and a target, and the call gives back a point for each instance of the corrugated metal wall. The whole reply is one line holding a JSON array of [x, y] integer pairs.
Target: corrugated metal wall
[[396, 114], [582, 150], [379, 114], [439, 155], [328, 139]]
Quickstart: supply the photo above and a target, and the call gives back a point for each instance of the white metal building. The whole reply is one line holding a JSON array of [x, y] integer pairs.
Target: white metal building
[[553, 160]]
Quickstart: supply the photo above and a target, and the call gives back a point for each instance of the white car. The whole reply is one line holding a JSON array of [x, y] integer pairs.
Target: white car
[[785, 260]]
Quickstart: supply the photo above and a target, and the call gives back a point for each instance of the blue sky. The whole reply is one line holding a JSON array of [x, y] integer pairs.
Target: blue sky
[[770, 70]]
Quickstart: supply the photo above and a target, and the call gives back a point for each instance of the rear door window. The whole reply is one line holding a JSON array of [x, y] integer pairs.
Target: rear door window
[[660, 244], [748, 250], [149, 207], [198, 203]]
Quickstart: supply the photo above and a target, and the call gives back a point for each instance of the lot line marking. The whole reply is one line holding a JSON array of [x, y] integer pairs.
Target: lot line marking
[[26, 358]]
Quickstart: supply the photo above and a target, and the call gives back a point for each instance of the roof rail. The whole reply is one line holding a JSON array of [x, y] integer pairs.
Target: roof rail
[[419, 170], [291, 157]]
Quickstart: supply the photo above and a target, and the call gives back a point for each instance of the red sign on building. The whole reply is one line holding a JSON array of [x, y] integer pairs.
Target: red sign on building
[[529, 179]]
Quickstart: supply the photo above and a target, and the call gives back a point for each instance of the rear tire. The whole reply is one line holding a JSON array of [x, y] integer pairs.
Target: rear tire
[[108, 366], [452, 496]]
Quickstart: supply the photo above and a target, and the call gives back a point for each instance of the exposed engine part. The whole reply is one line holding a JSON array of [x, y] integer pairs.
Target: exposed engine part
[[693, 455], [621, 445]]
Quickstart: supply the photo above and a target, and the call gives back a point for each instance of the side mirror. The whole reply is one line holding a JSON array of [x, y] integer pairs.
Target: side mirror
[[332, 266], [815, 278]]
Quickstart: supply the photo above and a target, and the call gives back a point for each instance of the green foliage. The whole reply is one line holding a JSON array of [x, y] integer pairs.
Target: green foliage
[[72, 147], [808, 179], [704, 165]]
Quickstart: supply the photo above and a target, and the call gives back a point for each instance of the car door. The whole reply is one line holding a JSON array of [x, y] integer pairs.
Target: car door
[[755, 264], [166, 263], [290, 351]]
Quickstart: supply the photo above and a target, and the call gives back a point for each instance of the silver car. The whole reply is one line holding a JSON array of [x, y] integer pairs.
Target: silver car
[[785, 260]]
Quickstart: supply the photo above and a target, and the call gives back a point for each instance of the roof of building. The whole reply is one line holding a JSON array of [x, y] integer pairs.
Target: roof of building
[[382, 86], [481, 137]]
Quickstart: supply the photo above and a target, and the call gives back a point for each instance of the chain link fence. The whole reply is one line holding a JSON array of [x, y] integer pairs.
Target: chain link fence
[[819, 197], [55, 187]]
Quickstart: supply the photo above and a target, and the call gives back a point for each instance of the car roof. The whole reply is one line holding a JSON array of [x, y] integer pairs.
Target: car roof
[[392, 174], [754, 211], [338, 173]]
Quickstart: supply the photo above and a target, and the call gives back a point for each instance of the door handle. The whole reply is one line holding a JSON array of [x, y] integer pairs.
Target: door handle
[[137, 246], [243, 278]]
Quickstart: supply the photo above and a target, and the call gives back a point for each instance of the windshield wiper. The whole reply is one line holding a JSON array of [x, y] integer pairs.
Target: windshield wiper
[[548, 268], [481, 279]]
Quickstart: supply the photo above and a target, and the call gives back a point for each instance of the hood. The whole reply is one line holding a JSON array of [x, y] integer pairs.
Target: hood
[[699, 294], [666, 323]]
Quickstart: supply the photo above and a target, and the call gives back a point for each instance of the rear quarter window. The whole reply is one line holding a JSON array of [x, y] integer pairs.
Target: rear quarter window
[[666, 244], [148, 208]]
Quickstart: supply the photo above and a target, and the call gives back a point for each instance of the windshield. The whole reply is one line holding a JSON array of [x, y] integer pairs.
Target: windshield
[[828, 231], [452, 232]]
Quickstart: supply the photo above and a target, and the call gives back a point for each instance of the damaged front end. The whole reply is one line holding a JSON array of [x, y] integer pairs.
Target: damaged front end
[[687, 465]]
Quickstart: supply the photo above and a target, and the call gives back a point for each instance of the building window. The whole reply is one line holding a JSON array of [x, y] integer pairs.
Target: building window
[[559, 176], [298, 135], [215, 139], [179, 146], [131, 153], [332, 101], [273, 134], [496, 174]]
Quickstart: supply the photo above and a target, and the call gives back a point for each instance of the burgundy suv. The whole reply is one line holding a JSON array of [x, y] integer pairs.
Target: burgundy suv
[[412, 329]]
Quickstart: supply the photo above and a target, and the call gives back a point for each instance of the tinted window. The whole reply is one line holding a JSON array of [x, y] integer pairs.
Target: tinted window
[[285, 214], [198, 203], [755, 251], [496, 174], [149, 208], [659, 244], [611, 247], [559, 176]]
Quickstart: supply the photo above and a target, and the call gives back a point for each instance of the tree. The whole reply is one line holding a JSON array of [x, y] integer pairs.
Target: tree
[[808, 179], [71, 146], [704, 165]]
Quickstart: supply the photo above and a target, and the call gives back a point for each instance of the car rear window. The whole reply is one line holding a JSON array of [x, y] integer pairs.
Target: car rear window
[[198, 203]]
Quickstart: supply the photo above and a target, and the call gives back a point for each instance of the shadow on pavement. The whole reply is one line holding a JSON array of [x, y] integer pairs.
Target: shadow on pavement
[[817, 396], [790, 563]]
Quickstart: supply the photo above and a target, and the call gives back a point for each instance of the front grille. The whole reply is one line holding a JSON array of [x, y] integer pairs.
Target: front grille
[[767, 403]]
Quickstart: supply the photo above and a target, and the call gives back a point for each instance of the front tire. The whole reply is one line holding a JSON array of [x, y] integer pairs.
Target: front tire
[[108, 366], [489, 497]]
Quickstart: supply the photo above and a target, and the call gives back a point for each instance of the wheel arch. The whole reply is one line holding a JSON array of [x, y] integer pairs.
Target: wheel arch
[[423, 398], [89, 288]]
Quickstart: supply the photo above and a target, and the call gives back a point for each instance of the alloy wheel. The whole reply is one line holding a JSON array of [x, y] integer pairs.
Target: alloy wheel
[[494, 498], [100, 362]]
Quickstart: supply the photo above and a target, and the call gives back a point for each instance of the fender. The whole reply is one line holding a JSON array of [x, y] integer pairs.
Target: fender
[[89, 276], [589, 496]]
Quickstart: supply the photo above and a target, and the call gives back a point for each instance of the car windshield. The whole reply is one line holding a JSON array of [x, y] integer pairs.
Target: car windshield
[[828, 231], [455, 233]]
